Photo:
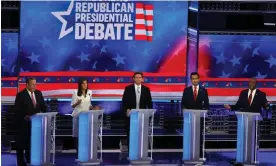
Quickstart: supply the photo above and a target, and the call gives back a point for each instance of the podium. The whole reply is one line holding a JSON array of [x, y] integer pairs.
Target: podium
[[140, 119], [43, 138], [191, 135], [90, 129], [247, 141]]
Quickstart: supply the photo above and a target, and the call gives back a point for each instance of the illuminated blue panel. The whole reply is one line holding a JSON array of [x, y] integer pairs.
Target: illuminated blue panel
[[36, 140], [240, 139], [134, 135], [83, 137], [187, 126]]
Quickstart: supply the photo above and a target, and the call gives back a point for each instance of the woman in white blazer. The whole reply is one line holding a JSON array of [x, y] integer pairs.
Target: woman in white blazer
[[81, 101]]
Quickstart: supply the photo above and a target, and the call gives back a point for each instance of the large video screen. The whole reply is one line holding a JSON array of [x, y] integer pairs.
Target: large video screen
[[237, 56], [145, 36], [106, 42]]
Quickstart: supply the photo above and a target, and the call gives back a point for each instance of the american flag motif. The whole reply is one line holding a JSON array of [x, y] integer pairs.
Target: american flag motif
[[144, 22]]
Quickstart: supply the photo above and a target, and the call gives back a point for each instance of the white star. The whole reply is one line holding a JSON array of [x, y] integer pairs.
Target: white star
[[59, 15], [94, 65]]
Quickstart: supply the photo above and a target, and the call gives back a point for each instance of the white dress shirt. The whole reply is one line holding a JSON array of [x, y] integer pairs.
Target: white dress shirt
[[253, 94], [30, 93], [138, 95], [85, 102]]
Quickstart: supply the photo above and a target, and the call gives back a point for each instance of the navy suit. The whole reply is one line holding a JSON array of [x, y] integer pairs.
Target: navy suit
[[258, 102], [201, 102]]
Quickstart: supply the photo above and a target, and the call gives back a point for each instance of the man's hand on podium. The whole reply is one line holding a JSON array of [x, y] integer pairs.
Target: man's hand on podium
[[127, 113], [227, 106]]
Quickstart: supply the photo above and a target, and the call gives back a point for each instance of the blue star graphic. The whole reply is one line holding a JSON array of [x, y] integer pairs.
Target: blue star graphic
[[34, 58], [131, 44], [11, 45], [255, 51], [2, 63], [135, 68], [158, 59], [220, 59], [45, 42], [271, 61], [95, 43], [61, 51], [72, 69], [13, 69], [83, 57], [94, 65], [146, 52], [235, 61], [50, 68], [260, 75], [103, 49], [22, 70], [119, 59], [245, 69], [224, 75], [246, 44]]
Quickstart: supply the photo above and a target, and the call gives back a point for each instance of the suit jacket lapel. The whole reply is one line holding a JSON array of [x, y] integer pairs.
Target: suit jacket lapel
[[255, 96], [29, 98]]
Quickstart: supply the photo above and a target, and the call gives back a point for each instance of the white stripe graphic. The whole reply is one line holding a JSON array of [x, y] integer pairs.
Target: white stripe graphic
[[142, 21], [143, 32], [146, 12]]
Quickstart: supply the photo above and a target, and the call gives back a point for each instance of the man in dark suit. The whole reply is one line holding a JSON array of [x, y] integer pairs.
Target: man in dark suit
[[27, 103], [136, 96], [196, 97], [250, 100]]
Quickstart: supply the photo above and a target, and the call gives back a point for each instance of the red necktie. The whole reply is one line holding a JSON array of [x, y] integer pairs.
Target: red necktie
[[33, 99], [250, 97], [195, 92]]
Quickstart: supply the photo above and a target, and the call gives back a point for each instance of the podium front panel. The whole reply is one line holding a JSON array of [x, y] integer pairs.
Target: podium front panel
[[187, 131], [134, 136], [240, 138], [37, 140], [83, 137]]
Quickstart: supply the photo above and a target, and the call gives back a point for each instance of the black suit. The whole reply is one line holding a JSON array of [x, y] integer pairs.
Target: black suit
[[258, 102], [24, 107], [129, 101], [201, 102]]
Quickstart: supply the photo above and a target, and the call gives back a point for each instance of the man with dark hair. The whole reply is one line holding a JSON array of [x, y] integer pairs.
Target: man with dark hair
[[27, 103], [196, 97], [136, 96], [251, 99]]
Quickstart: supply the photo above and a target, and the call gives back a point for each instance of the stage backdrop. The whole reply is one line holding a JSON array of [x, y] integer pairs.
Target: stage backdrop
[[106, 42]]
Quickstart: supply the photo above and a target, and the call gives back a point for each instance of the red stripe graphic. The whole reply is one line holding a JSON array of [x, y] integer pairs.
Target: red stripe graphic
[[142, 16], [143, 26], [141, 37]]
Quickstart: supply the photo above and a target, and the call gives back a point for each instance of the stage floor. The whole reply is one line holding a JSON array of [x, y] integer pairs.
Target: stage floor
[[266, 158]]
